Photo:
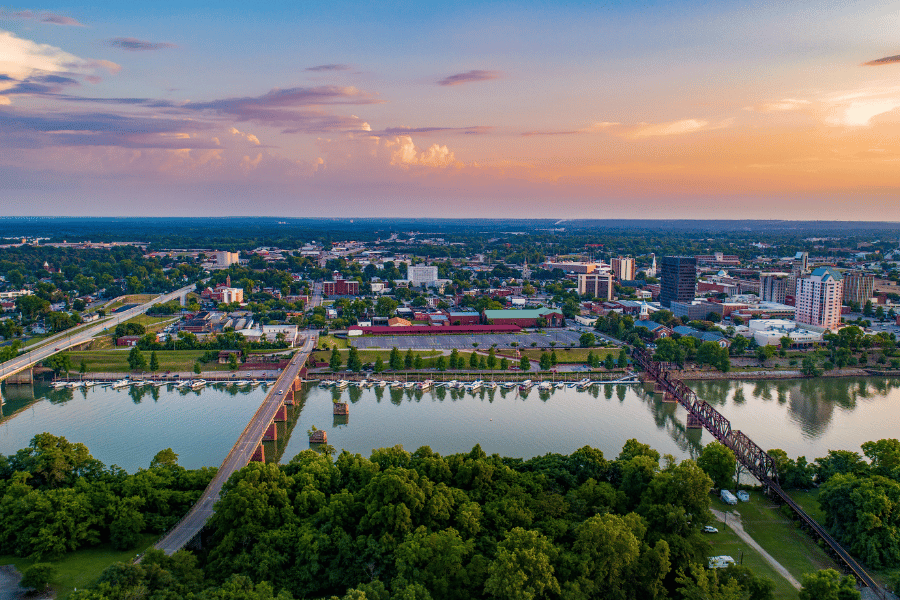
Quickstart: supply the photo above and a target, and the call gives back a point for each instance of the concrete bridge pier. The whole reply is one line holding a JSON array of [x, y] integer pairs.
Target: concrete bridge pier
[[259, 455], [281, 415], [669, 398], [23, 377], [693, 422], [271, 433]]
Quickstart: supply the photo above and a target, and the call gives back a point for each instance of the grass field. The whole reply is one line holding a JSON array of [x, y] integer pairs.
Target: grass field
[[80, 569], [372, 355], [570, 355], [779, 535], [332, 341], [103, 361], [153, 324], [727, 543], [809, 501]]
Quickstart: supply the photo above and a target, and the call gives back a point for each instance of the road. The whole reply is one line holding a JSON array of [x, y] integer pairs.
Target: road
[[316, 298], [733, 520], [64, 340], [239, 456]]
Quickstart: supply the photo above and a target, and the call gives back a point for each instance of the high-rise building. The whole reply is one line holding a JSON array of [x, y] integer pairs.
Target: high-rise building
[[422, 275], [623, 268], [679, 280], [598, 284], [819, 298], [859, 287], [773, 287]]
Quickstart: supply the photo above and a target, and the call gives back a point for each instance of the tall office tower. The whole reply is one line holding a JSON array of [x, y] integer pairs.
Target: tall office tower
[[679, 279], [598, 284], [773, 286], [623, 268], [819, 298], [858, 286]]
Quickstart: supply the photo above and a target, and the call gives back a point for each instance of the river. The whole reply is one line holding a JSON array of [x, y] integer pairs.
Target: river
[[128, 426]]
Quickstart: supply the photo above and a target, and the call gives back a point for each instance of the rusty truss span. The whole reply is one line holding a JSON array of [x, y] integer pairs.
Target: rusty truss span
[[756, 460]]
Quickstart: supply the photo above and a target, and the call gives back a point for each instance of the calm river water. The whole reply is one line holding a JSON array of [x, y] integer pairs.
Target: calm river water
[[127, 427]]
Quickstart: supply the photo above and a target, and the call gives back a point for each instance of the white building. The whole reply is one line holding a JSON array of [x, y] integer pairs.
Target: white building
[[224, 260], [819, 298], [768, 332], [421, 275], [598, 284]]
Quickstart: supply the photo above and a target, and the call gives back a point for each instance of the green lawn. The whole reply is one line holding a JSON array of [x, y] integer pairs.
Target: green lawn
[[104, 361], [727, 543], [149, 321], [568, 355], [809, 501], [80, 569], [781, 537]]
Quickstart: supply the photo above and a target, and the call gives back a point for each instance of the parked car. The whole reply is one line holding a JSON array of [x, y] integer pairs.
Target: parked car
[[710, 529]]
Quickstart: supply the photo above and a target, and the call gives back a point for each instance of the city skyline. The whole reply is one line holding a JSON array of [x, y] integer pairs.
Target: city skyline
[[684, 110]]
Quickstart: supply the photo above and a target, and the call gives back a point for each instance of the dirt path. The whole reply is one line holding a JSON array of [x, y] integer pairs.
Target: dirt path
[[734, 521]]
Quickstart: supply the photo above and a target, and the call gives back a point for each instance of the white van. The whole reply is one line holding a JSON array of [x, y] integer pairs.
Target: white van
[[720, 562]]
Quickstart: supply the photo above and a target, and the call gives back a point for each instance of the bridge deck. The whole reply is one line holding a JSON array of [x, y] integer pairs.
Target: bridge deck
[[751, 456], [238, 458]]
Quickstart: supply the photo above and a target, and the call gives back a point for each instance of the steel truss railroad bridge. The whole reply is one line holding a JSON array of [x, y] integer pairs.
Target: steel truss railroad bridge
[[751, 456]]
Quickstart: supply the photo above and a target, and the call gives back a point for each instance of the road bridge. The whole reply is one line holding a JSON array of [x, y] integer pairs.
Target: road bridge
[[249, 447], [756, 460], [65, 340]]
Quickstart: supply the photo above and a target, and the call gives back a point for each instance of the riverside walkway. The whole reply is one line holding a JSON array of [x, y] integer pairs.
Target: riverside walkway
[[241, 454]]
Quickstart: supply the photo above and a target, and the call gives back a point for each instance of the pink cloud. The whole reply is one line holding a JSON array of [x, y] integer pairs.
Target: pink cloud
[[41, 17], [469, 77]]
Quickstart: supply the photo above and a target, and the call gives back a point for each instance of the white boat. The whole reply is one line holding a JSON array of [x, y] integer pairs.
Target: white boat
[[396, 384], [323, 384], [255, 383], [120, 384], [196, 385], [424, 385], [382, 383], [59, 384], [453, 384], [526, 385], [545, 385], [409, 385], [475, 385], [560, 385], [362, 383], [508, 385], [342, 384], [492, 385], [160, 383]]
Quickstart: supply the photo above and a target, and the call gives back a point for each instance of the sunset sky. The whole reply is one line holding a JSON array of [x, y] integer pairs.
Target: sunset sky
[[712, 109]]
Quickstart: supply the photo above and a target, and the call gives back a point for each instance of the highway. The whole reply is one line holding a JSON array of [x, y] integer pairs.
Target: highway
[[63, 340], [239, 457]]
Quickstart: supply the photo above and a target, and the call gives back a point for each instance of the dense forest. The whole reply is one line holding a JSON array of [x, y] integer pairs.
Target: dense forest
[[420, 526]]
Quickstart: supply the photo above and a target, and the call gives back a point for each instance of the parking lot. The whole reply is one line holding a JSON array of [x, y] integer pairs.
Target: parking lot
[[561, 337]]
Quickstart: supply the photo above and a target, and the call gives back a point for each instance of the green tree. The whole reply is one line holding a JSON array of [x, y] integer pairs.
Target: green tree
[[523, 567], [418, 363], [719, 462], [136, 360], [335, 362], [524, 363], [379, 365], [609, 363], [828, 584], [623, 359], [385, 307], [440, 364], [395, 361], [197, 367], [60, 363], [154, 362], [82, 367], [545, 362], [587, 339], [353, 361], [455, 360], [809, 368], [504, 364], [482, 363], [473, 361], [408, 359], [232, 361], [591, 358], [38, 576], [738, 345]]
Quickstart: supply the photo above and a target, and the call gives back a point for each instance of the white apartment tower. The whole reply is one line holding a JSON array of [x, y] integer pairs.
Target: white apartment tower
[[598, 284], [819, 298], [623, 268]]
